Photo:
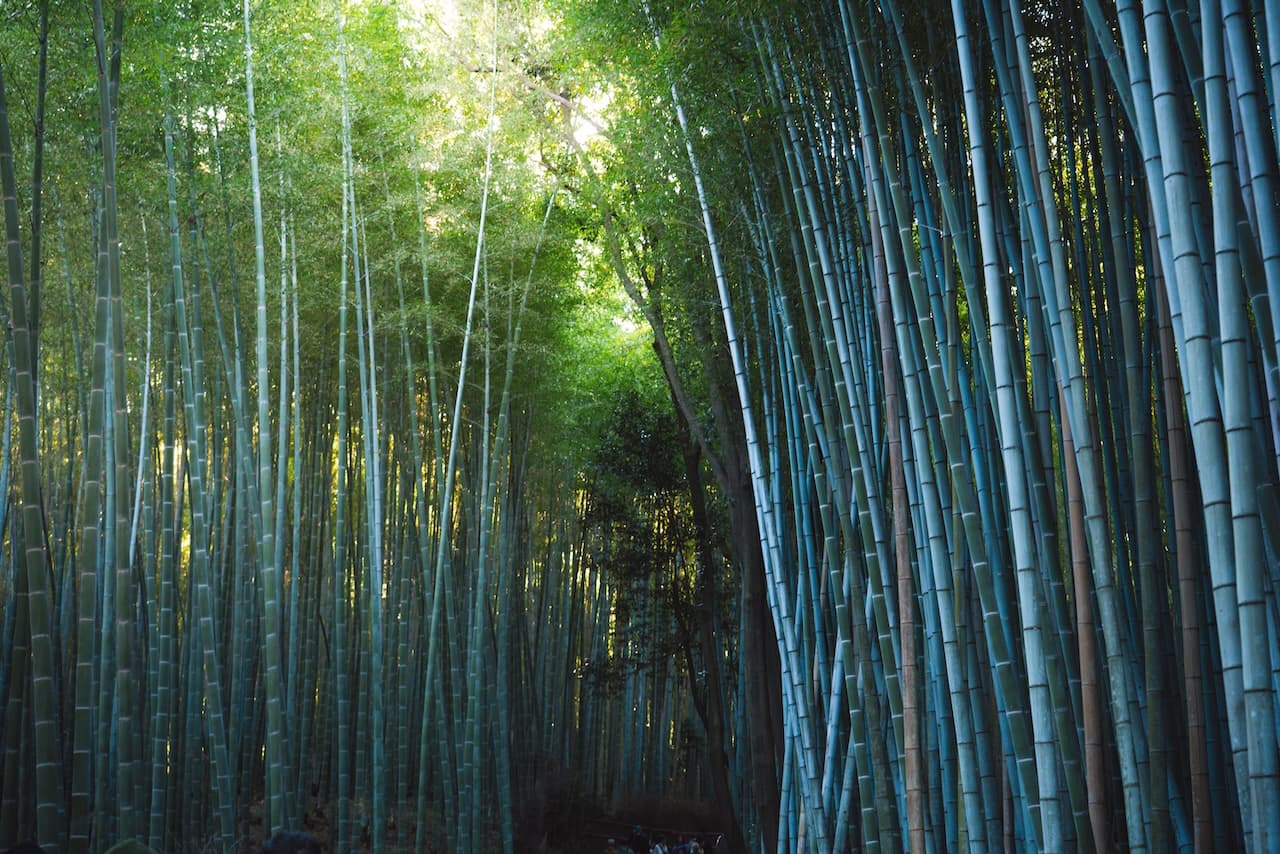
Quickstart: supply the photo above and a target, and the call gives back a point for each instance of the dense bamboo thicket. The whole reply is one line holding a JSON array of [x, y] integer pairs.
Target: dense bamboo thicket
[[277, 554], [996, 299], [1075, 378], [343, 490]]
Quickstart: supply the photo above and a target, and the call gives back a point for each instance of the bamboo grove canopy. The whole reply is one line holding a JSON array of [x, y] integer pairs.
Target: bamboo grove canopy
[[426, 420]]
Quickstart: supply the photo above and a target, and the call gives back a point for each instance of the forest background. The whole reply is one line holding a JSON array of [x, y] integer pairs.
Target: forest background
[[427, 422]]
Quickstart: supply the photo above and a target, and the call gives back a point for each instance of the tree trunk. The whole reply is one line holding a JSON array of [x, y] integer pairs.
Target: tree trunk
[[711, 709]]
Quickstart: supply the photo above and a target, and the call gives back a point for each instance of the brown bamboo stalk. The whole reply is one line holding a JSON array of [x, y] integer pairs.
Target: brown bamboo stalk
[[1190, 572], [1091, 699], [913, 770]]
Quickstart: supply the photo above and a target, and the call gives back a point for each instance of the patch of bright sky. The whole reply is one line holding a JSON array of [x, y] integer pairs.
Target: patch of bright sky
[[422, 20], [445, 12], [419, 20], [588, 254], [588, 119]]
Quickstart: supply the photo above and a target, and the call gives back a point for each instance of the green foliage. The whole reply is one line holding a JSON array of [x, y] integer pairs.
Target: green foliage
[[638, 453]]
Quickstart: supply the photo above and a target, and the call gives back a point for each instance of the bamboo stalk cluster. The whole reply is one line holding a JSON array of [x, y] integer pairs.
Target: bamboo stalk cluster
[[1002, 315], [999, 289], [240, 597]]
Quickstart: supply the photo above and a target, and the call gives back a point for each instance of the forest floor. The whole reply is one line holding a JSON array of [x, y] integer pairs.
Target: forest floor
[[586, 831], [668, 818]]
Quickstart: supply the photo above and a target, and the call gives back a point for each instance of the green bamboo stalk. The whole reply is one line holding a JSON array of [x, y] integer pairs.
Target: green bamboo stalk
[[268, 558], [35, 555], [374, 521], [1237, 423], [342, 688], [1184, 278], [167, 624], [207, 677]]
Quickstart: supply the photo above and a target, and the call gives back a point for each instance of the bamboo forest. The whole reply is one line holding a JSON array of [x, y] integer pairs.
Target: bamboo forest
[[505, 426]]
